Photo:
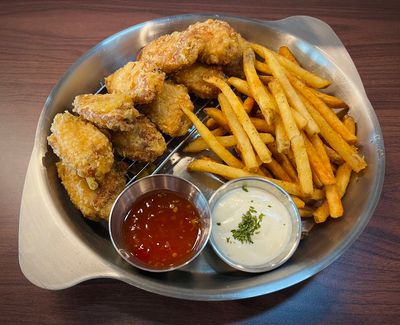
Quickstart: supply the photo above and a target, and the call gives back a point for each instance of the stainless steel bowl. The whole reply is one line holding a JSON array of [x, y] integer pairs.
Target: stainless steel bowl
[[284, 198], [58, 248], [148, 184]]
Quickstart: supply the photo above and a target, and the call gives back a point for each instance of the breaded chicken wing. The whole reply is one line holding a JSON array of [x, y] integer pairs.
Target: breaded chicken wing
[[165, 111], [172, 52], [110, 111], [141, 81], [81, 146], [235, 67], [193, 78], [94, 204], [220, 41], [143, 142]]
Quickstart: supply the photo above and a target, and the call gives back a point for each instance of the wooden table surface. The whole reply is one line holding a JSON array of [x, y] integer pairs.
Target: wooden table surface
[[40, 40]]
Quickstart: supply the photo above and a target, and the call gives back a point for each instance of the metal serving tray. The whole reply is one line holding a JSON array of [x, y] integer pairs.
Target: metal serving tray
[[58, 248]]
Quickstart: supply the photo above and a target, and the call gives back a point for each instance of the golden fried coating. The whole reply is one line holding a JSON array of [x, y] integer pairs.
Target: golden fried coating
[[235, 67], [172, 52], [193, 78], [94, 205], [143, 142], [141, 81], [81, 146], [165, 111], [109, 111], [220, 41]]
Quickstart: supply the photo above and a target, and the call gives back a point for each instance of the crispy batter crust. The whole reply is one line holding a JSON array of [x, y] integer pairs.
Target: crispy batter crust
[[165, 111], [81, 146], [173, 51], [193, 78], [143, 142], [141, 81], [110, 111], [220, 41], [94, 205]]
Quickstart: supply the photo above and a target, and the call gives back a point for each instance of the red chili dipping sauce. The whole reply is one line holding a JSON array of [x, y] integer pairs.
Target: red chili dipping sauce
[[161, 229]]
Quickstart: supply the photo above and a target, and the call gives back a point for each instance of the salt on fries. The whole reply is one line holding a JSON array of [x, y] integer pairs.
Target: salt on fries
[[294, 139]]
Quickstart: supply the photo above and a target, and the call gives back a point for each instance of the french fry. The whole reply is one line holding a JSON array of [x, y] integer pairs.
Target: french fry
[[212, 142], [299, 202], [211, 123], [301, 122], [287, 166], [334, 202], [330, 100], [202, 165], [240, 85], [308, 77], [284, 109], [285, 52], [261, 125], [356, 162], [324, 173], [316, 181], [262, 67], [302, 164], [217, 115], [259, 146], [306, 213], [256, 86], [218, 131], [349, 123], [266, 79], [282, 140], [324, 110], [343, 175], [248, 104], [291, 94], [243, 141], [227, 141], [297, 142], [333, 155], [278, 171]]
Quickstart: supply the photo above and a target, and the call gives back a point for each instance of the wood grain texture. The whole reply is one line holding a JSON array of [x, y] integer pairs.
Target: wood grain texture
[[40, 40]]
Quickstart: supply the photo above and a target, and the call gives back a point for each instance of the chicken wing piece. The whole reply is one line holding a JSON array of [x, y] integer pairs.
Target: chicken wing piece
[[141, 81], [193, 78], [81, 146], [94, 204], [220, 41], [143, 142], [165, 111], [173, 51], [109, 111]]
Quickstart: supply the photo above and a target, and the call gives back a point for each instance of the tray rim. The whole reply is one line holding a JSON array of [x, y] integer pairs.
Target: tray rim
[[106, 269]]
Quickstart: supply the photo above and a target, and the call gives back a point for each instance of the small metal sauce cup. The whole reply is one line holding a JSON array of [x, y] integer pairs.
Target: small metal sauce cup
[[148, 184], [284, 198]]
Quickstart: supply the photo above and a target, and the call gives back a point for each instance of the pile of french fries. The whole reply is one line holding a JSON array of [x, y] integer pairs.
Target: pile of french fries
[[294, 138]]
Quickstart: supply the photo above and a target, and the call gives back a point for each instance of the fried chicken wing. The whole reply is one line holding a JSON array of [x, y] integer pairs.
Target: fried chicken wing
[[165, 111], [219, 40], [193, 78], [173, 51], [143, 142], [109, 111], [141, 81], [81, 146], [94, 204]]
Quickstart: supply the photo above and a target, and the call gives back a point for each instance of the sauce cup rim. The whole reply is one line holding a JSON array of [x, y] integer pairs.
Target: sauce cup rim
[[295, 219], [206, 212]]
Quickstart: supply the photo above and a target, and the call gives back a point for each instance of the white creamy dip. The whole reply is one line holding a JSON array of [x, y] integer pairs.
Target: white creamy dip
[[269, 241]]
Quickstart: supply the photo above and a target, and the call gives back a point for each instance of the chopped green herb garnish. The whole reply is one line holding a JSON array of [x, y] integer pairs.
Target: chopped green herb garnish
[[244, 188], [248, 226], [218, 223], [269, 206], [228, 239], [251, 201]]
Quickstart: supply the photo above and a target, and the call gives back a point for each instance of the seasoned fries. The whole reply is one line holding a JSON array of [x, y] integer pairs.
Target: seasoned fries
[[259, 146], [212, 142], [256, 87], [308, 149]]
